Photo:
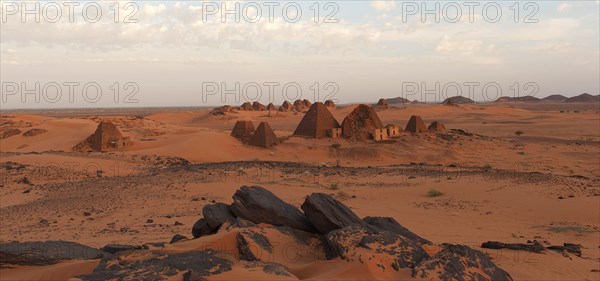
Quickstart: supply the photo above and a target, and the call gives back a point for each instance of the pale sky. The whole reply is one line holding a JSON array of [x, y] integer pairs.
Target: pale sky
[[376, 49]]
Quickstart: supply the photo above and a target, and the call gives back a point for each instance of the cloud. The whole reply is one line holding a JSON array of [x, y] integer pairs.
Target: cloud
[[563, 7], [154, 10], [383, 5], [463, 47]]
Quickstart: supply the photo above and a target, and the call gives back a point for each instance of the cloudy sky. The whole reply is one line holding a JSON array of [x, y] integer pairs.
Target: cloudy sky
[[186, 54]]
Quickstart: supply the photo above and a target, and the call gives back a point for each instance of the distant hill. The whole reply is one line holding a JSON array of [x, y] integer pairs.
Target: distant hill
[[585, 97], [555, 98], [457, 100], [521, 99], [397, 100]]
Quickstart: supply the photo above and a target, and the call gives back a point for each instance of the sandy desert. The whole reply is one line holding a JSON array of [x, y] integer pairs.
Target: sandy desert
[[506, 190]]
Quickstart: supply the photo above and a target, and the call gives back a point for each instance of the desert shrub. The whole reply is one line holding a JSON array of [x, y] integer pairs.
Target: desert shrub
[[336, 146], [334, 186], [343, 194], [434, 193], [518, 133]]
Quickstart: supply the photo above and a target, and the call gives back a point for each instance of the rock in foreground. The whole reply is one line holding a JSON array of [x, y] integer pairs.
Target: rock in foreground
[[458, 262], [328, 214], [259, 205]]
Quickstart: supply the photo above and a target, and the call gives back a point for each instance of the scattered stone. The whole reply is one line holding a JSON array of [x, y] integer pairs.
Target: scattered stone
[[177, 223], [87, 214], [149, 221], [567, 247]]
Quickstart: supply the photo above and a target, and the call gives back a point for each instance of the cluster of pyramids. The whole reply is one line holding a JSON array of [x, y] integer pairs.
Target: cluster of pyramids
[[416, 125], [361, 124], [106, 138], [297, 106], [263, 136]]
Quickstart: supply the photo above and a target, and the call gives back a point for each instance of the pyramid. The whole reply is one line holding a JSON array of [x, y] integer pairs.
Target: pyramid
[[306, 103], [316, 122], [299, 105], [243, 130], [436, 126], [382, 102], [361, 123], [286, 106], [330, 103], [246, 106], [264, 136], [271, 107], [416, 125], [106, 137], [257, 106]]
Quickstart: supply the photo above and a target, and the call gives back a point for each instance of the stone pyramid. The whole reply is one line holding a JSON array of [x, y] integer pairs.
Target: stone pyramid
[[436, 126], [243, 130], [286, 106], [361, 123], [264, 136], [316, 122], [106, 137], [416, 125]]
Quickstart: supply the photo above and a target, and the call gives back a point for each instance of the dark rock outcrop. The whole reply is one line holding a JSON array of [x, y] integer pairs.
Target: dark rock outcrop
[[567, 247], [458, 262], [45, 252], [216, 214], [115, 248], [158, 265], [247, 252], [384, 248], [34, 132], [178, 237], [327, 214], [531, 247], [259, 205], [202, 228], [391, 225]]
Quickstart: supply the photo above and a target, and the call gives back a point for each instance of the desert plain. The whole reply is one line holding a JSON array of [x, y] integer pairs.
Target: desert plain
[[512, 172]]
